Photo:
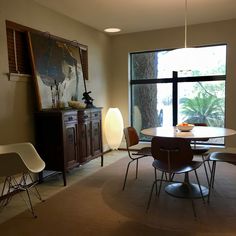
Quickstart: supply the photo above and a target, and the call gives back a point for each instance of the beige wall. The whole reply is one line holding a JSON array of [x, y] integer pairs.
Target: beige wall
[[17, 98], [108, 73], [204, 34]]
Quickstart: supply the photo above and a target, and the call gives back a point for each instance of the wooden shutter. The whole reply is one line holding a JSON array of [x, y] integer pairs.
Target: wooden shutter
[[18, 55]]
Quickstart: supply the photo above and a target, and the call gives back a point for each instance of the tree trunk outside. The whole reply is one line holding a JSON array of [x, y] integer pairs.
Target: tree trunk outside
[[145, 95]]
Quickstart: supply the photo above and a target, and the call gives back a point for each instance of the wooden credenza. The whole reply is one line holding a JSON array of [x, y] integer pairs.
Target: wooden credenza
[[67, 138]]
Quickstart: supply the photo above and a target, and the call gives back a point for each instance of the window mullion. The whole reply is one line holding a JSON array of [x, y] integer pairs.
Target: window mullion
[[175, 97]]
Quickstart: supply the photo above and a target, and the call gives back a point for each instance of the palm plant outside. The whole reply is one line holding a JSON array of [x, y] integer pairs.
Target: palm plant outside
[[206, 107]]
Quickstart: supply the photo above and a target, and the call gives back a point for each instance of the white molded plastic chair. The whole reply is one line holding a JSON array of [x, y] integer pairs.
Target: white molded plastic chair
[[23, 159]]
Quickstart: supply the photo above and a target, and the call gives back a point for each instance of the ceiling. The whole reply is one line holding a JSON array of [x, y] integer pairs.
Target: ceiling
[[142, 15]]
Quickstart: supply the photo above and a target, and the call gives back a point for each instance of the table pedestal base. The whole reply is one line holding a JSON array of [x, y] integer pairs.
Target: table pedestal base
[[183, 190]]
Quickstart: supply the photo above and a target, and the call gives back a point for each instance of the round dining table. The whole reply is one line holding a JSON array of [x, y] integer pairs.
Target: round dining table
[[198, 132], [187, 189]]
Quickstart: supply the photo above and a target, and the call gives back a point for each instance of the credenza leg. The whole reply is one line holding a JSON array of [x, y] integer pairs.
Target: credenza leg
[[64, 177], [101, 160]]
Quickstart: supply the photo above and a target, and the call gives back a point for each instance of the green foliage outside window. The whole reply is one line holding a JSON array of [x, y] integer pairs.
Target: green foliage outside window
[[206, 107]]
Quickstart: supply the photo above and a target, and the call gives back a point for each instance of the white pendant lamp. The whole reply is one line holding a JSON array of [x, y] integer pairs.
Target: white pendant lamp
[[114, 128], [186, 54]]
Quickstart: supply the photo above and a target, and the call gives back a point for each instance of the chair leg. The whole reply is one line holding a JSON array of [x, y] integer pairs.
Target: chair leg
[[209, 166], [166, 176], [214, 173], [6, 185], [25, 187], [211, 180], [198, 182], [126, 174], [204, 164], [162, 175], [205, 159], [136, 169], [193, 205], [172, 177], [30, 203], [36, 193], [155, 172], [22, 185], [150, 195]]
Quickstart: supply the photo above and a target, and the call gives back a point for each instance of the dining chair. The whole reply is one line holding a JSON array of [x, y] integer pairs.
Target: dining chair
[[17, 164], [174, 156], [132, 139], [202, 151], [219, 157]]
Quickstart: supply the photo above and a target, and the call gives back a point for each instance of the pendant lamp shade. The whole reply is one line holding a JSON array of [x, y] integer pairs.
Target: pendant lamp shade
[[186, 55], [114, 127]]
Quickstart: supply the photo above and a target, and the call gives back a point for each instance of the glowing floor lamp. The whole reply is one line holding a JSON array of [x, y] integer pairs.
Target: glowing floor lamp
[[114, 127]]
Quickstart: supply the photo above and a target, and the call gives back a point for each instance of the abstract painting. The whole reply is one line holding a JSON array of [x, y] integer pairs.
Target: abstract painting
[[57, 70]]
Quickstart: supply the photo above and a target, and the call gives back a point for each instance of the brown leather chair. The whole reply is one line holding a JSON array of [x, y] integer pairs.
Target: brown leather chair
[[219, 157], [132, 139], [174, 156]]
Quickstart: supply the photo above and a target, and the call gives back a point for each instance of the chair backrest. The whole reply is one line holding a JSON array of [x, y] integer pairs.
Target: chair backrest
[[173, 152], [131, 136], [11, 164], [18, 158]]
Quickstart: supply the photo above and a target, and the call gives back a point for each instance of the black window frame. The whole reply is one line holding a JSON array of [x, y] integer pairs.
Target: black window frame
[[174, 80]]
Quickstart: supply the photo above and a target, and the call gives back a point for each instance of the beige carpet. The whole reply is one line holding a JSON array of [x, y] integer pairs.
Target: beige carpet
[[96, 205]]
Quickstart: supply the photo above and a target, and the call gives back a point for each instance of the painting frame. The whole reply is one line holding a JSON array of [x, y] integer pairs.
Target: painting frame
[[57, 70]]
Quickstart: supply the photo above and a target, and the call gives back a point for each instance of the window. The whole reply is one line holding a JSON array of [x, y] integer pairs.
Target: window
[[168, 87]]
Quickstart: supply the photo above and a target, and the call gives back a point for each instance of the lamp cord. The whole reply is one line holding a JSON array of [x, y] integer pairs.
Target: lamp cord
[[185, 25]]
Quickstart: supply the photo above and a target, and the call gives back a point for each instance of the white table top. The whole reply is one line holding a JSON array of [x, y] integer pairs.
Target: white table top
[[197, 132]]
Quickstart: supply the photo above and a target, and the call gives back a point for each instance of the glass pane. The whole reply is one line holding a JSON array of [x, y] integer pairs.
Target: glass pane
[[202, 61], [151, 106], [144, 65], [202, 102]]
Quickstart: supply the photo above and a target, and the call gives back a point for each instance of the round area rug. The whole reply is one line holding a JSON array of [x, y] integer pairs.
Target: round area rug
[[171, 213]]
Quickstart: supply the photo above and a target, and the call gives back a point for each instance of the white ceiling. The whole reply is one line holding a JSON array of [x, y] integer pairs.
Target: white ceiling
[[142, 15]]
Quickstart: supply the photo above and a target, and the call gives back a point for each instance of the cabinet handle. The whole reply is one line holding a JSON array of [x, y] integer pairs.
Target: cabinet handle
[[95, 114], [70, 118], [85, 117]]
